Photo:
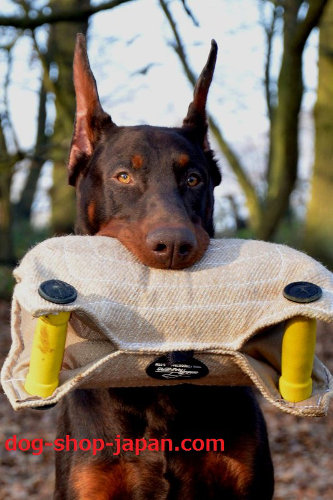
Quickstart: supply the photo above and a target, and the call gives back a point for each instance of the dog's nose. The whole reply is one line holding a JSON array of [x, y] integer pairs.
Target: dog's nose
[[172, 247]]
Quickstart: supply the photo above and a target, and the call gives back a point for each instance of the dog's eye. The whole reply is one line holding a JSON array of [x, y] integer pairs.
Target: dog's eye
[[124, 177], [193, 180]]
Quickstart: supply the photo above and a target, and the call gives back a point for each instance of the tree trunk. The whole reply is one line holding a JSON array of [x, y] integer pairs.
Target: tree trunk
[[284, 152], [282, 171], [23, 207], [267, 210], [6, 244], [63, 42], [6, 171], [318, 238]]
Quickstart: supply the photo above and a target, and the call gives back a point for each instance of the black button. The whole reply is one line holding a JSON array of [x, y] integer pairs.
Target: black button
[[302, 291], [57, 291]]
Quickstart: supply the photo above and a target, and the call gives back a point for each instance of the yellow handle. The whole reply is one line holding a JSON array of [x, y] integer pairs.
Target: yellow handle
[[47, 354], [298, 348]]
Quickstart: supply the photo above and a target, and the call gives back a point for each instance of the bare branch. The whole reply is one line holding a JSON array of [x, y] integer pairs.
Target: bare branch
[[303, 30], [6, 114], [3, 144], [75, 15], [189, 13], [269, 28], [253, 201], [178, 46], [8, 46], [48, 83]]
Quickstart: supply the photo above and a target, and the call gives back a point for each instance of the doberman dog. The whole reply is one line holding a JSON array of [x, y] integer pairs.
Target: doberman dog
[[152, 188]]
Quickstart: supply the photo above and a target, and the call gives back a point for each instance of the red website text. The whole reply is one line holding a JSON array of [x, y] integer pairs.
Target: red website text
[[118, 445]]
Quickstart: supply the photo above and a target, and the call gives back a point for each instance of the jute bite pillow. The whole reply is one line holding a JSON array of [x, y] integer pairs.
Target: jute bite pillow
[[228, 308]]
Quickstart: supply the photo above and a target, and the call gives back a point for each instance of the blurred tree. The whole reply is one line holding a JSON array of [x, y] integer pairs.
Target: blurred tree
[[9, 157], [267, 205], [61, 44], [319, 221], [32, 16], [283, 104], [7, 162], [23, 207], [65, 18]]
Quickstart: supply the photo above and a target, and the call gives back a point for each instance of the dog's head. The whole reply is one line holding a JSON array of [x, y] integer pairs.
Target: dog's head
[[150, 187]]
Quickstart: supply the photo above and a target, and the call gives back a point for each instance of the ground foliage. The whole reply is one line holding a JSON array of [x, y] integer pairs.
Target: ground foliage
[[301, 448]]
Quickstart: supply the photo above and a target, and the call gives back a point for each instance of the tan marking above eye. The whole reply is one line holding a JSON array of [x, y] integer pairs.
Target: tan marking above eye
[[192, 180], [137, 161], [183, 159], [124, 178]]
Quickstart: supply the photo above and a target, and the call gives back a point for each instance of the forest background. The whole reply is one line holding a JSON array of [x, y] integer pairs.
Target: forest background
[[271, 108], [271, 126]]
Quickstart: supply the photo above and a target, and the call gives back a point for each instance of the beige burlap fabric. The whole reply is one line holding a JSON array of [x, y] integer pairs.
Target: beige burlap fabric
[[228, 308]]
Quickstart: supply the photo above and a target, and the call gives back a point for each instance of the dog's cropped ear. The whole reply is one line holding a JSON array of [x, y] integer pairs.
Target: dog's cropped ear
[[90, 117], [196, 118]]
